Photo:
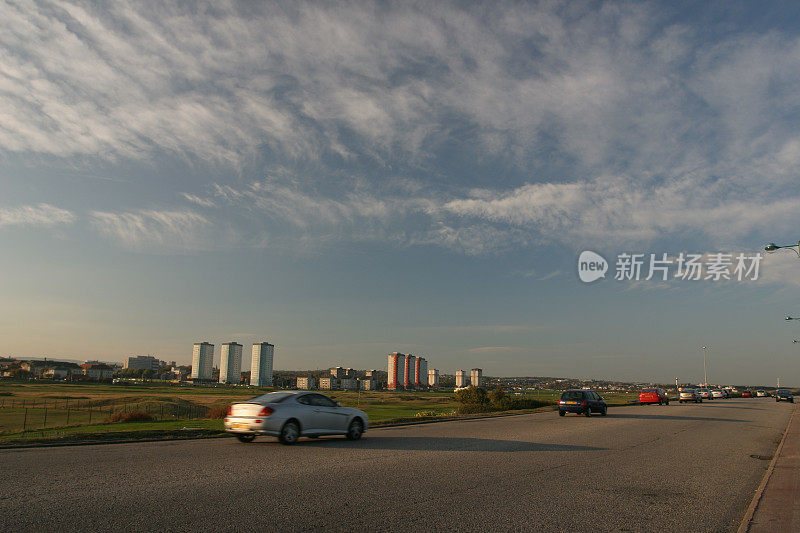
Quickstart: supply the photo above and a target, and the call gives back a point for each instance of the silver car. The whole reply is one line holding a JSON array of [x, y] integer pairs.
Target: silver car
[[290, 415]]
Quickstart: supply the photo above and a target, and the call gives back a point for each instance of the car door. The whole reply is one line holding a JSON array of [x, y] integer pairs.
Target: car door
[[332, 418], [307, 414]]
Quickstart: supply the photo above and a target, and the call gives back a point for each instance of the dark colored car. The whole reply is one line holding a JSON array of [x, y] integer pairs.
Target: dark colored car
[[582, 402], [784, 395], [747, 394], [653, 396]]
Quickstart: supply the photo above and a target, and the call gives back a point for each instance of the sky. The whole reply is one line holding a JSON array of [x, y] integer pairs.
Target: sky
[[350, 179]]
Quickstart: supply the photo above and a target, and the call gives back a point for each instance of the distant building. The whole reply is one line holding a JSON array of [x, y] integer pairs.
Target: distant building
[[410, 367], [141, 362], [261, 364], [97, 371], [396, 371], [202, 361], [433, 378], [328, 383], [230, 365], [337, 372], [370, 384], [306, 383], [476, 377], [349, 384], [421, 373], [461, 379]]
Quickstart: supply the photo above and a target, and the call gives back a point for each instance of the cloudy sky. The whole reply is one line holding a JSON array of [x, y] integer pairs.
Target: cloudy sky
[[349, 179]]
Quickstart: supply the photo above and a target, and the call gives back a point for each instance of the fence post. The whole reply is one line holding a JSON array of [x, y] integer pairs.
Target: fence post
[[45, 415], [67, 414], [90, 414], [25, 421]]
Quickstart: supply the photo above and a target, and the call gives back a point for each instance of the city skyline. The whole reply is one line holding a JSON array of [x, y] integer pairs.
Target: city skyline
[[415, 177]]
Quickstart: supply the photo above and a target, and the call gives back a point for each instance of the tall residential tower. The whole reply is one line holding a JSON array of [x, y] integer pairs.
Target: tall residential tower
[[261, 364], [230, 365], [202, 360], [396, 370]]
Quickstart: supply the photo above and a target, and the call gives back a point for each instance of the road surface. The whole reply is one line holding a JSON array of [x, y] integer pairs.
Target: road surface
[[642, 468]]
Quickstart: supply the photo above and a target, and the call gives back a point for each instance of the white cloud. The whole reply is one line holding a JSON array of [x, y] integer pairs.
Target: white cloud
[[151, 230], [35, 215], [202, 202]]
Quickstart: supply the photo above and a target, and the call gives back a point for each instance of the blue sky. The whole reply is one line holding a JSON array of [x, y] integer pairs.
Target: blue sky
[[350, 179]]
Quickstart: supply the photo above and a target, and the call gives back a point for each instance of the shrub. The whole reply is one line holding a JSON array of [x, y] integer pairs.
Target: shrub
[[472, 395], [217, 412], [130, 416], [472, 408]]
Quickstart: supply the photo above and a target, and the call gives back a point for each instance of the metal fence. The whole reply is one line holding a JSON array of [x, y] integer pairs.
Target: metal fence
[[32, 414]]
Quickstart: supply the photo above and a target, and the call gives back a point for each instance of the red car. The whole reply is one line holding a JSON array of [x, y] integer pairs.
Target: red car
[[653, 396], [747, 394]]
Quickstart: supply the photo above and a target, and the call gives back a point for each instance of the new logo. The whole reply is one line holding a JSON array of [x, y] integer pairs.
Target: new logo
[[591, 266]]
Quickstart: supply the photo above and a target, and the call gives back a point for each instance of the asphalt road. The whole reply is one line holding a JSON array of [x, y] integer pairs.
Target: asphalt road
[[642, 468]]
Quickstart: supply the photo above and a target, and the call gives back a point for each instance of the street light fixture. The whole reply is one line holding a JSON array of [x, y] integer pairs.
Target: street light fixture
[[772, 247]]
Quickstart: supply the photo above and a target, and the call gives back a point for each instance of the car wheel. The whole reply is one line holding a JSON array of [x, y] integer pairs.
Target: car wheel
[[667, 402], [604, 412], [245, 438], [290, 432], [561, 413], [355, 430], [588, 412], [659, 402]]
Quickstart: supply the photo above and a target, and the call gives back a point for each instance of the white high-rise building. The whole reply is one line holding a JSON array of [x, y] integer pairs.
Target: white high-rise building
[[261, 364], [202, 360], [396, 370], [230, 365], [460, 379], [476, 377], [433, 377]]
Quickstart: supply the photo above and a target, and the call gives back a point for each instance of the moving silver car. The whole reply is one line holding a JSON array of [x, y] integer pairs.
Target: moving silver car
[[290, 415]]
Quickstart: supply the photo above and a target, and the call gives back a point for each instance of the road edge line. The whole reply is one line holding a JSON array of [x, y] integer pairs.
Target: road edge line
[[744, 526]]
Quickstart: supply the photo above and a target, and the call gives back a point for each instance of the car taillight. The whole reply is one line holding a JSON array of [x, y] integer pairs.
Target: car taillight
[[583, 403], [230, 411], [266, 411], [561, 402]]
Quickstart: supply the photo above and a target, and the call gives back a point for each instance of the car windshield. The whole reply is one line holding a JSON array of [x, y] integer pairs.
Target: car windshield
[[272, 397], [572, 395], [649, 390]]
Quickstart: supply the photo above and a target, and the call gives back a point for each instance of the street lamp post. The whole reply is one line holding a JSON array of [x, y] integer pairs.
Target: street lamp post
[[705, 374]]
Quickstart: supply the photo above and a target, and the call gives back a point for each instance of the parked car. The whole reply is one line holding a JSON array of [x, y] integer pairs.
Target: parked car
[[761, 393], [718, 393], [290, 415], [653, 396], [705, 393], [582, 402], [784, 395], [689, 395], [747, 394]]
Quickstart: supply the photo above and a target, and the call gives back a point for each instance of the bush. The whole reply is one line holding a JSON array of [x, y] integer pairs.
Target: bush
[[130, 416], [472, 408], [472, 396], [217, 412]]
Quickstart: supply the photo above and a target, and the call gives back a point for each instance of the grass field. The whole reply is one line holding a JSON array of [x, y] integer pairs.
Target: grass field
[[42, 410]]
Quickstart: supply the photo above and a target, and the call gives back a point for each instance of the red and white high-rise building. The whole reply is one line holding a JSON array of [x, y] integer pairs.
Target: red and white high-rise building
[[421, 373], [397, 371], [411, 366]]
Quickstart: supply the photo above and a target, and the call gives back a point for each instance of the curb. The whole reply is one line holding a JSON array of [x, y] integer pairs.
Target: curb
[[744, 527]]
